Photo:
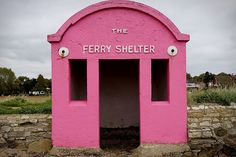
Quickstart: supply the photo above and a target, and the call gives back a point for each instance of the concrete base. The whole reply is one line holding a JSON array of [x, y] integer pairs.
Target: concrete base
[[147, 150]]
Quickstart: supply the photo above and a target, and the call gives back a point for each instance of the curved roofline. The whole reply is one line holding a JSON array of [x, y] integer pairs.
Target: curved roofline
[[118, 4]]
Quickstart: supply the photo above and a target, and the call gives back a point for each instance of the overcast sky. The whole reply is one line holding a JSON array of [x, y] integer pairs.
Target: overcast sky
[[24, 26]]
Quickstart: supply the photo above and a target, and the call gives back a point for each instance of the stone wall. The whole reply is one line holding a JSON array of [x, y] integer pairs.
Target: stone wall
[[28, 133], [212, 129]]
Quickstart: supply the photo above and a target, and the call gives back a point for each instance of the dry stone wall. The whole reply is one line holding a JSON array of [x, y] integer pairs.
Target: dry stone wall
[[211, 131], [28, 133], [204, 121]]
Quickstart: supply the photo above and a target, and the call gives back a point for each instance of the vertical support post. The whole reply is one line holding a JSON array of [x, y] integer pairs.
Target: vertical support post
[[145, 95], [93, 99]]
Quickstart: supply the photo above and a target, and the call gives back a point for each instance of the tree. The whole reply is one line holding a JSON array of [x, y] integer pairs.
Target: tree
[[225, 80], [7, 81], [207, 78], [189, 77], [41, 84], [234, 79], [22, 84], [49, 85], [29, 85], [16, 87], [198, 79], [3, 87]]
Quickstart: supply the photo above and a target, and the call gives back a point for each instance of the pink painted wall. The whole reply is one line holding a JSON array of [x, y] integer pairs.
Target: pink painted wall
[[76, 123]]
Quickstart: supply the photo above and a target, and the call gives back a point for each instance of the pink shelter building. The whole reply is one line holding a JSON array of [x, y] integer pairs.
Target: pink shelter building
[[118, 64]]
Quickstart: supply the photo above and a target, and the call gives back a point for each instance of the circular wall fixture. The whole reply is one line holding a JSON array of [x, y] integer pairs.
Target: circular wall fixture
[[172, 50], [63, 52]]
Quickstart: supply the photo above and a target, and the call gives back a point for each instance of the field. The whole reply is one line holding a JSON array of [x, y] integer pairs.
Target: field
[[25, 105], [33, 99], [42, 104]]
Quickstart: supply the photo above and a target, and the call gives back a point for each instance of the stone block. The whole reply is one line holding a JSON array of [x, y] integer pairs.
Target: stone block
[[207, 119], [201, 107], [195, 108], [195, 134], [216, 125], [27, 133], [215, 120], [21, 146], [33, 121], [213, 114], [232, 131], [196, 114], [192, 125], [25, 122], [3, 142], [40, 129], [16, 134], [5, 128], [233, 104], [220, 131], [14, 124], [20, 138], [31, 139], [49, 117], [227, 124], [5, 135], [13, 117], [233, 119], [198, 144], [162, 149], [205, 154], [18, 129], [230, 141], [24, 117], [41, 146], [205, 123], [13, 153], [187, 154], [206, 134], [45, 124], [193, 119]]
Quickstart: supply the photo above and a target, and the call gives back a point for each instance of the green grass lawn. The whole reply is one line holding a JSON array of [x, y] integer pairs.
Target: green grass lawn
[[19, 105]]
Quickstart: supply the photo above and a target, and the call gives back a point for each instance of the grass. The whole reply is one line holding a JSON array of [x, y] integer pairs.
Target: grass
[[19, 105], [220, 96], [42, 104], [33, 99]]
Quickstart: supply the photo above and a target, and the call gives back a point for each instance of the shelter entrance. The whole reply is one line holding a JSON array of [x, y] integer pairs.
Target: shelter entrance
[[119, 104]]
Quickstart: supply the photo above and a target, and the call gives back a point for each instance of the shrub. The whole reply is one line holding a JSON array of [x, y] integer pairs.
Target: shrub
[[220, 96]]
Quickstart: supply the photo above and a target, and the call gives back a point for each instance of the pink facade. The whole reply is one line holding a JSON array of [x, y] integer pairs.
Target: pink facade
[[118, 30]]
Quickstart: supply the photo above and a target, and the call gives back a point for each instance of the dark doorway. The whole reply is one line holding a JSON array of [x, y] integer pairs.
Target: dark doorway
[[119, 104]]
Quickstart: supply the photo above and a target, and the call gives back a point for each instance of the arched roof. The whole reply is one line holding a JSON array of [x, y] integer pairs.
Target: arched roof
[[118, 4]]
